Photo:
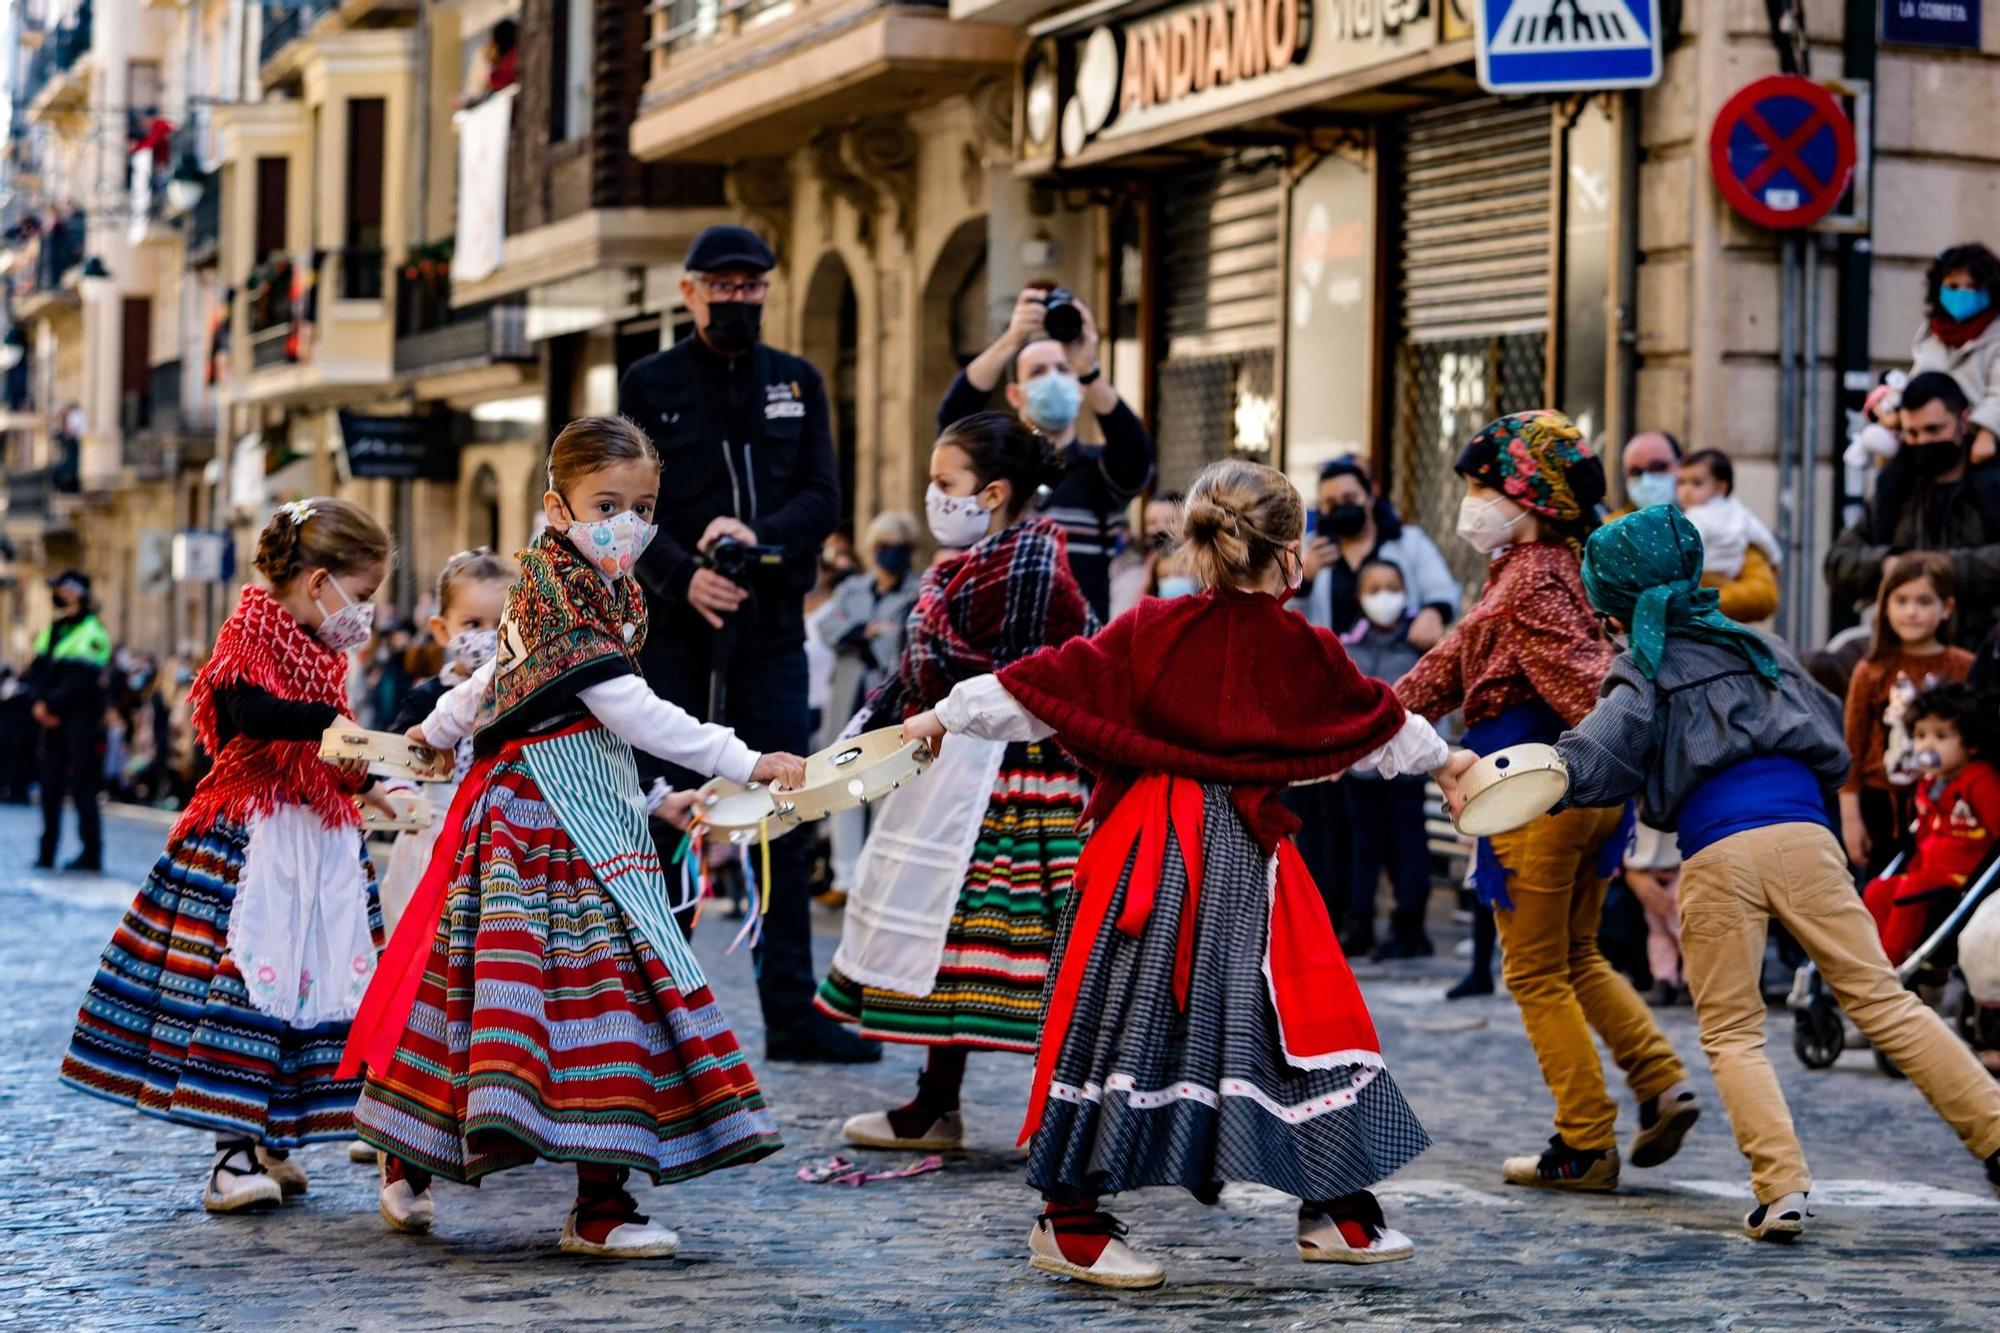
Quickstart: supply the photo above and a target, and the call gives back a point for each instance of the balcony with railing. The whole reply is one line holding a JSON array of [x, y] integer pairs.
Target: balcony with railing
[[434, 338], [268, 298], [161, 433], [47, 258], [740, 78], [48, 86]]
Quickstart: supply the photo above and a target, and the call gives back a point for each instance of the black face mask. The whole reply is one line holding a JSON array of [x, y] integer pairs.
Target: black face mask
[[1160, 541], [734, 326], [1934, 460], [1344, 520]]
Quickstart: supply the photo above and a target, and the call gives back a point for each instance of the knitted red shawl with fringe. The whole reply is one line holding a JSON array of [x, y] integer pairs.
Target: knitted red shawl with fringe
[[1225, 688], [263, 646]]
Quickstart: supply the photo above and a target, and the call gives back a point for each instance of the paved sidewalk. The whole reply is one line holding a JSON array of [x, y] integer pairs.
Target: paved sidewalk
[[105, 1229]]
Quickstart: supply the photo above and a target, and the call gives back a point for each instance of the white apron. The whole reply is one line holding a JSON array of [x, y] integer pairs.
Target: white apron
[[298, 930]]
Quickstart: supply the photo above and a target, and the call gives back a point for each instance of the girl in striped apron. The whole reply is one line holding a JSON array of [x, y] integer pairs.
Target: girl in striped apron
[[538, 1000]]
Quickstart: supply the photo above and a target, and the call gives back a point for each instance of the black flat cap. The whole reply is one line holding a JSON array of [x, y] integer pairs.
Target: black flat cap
[[74, 578], [718, 248]]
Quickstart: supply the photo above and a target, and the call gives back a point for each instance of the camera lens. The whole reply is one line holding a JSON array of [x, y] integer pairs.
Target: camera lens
[[1062, 320]]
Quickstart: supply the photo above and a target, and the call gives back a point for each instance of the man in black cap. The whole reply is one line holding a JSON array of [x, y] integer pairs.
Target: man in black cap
[[746, 456], [66, 683]]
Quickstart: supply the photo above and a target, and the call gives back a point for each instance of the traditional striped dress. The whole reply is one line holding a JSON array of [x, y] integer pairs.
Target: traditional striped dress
[[1010, 595], [560, 1014]]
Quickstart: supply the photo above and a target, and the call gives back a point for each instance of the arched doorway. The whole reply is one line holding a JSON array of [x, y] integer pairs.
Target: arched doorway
[[955, 328], [831, 336], [482, 525]]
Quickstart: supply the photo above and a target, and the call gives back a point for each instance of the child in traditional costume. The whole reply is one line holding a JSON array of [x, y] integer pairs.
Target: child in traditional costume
[[1203, 1025], [471, 598], [1525, 662], [956, 898], [538, 1000], [224, 997], [1726, 740]]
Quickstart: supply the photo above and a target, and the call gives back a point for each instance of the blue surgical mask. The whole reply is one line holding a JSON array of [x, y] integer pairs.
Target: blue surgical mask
[[1962, 303], [1178, 585], [893, 559], [1650, 488], [1053, 401]]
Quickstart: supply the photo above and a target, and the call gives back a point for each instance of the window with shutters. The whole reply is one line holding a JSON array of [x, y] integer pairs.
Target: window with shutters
[[1472, 290], [362, 259]]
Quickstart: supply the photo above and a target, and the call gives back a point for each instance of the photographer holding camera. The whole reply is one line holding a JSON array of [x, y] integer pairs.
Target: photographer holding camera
[[749, 492], [1048, 356]]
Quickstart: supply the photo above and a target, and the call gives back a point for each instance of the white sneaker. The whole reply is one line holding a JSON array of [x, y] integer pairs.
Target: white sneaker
[[291, 1177], [1321, 1241], [639, 1239], [403, 1208], [872, 1130], [1118, 1266], [1782, 1220], [237, 1183], [361, 1152]]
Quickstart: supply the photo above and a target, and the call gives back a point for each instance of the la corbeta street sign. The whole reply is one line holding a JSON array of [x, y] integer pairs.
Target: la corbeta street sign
[[1782, 151]]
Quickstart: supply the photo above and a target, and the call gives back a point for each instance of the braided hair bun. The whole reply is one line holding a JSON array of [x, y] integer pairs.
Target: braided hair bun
[[320, 533], [1237, 517], [1002, 448]]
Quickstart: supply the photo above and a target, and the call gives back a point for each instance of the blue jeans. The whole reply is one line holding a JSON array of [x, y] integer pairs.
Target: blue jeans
[[766, 702]]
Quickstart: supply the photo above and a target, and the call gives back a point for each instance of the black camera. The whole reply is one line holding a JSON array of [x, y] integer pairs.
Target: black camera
[[1060, 317], [741, 563]]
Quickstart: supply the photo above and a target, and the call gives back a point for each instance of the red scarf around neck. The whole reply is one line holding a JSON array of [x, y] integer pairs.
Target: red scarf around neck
[[263, 646], [1959, 332], [1226, 688]]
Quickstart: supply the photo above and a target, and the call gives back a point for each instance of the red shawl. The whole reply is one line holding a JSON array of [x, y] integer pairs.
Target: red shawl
[[1227, 688], [1959, 332], [262, 645]]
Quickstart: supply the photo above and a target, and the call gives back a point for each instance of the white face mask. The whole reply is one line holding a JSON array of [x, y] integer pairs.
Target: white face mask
[[348, 627], [471, 649], [1384, 608], [1649, 489], [613, 544], [1487, 525], [957, 521], [1178, 585]]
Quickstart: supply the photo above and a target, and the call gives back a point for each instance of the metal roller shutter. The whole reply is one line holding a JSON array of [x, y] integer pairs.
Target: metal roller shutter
[[1219, 252], [1473, 292]]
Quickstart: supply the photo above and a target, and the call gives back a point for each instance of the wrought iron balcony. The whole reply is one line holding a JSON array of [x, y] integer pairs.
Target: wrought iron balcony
[[432, 337], [285, 24], [57, 55]]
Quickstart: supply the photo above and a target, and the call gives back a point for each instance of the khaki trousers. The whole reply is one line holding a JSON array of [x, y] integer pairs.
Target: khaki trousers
[[1564, 985], [1798, 874]]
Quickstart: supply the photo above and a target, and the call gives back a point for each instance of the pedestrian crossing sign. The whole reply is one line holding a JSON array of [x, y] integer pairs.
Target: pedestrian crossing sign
[[1552, 46]]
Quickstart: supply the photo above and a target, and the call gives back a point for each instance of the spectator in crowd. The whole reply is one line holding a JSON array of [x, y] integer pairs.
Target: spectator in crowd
[[745, 438], [862, 623], [17, 739], [66, 684], [1652, 872], [1874, 437], [1353, 525], [1909, 655], [1739, 555], [1650, 459], [1930, 498], [498, 66], [1961, 339], [1386, 815], [1049, 383], [1137, 571]]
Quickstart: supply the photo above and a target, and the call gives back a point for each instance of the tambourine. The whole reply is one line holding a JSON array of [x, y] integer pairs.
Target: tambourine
[[853, 772], [1510, 788], [741, 813], [413, 815], [388, 754]]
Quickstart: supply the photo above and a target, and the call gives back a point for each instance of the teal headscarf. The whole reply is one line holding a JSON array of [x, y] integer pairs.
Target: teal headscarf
[[1645, 569]]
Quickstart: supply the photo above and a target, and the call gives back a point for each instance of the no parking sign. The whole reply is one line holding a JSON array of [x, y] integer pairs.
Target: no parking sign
[[1782, 151]]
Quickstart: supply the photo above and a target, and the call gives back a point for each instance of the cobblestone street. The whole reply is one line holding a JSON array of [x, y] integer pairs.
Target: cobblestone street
[[106, 1230]]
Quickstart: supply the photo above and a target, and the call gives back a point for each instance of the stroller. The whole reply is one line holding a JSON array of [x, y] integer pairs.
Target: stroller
[[1819, 1031]]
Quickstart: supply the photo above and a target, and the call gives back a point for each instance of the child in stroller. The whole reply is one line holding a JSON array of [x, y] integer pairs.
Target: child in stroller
[[1958, 817]]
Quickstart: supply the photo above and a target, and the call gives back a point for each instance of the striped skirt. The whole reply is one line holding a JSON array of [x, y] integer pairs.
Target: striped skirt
[[1146, 1092], [988, 994], [168, 1028], [545, 1028]]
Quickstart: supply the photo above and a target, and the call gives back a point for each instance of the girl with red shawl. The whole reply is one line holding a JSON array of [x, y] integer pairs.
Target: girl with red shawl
[[1203, 1026], [952, 916], [223, 1000]]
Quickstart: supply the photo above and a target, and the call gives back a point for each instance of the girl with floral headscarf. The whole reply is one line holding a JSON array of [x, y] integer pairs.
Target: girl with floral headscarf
[[1724, 739], [1525, 663]]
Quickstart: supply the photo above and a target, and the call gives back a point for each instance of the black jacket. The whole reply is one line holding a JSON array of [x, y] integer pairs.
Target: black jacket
[[1098, 482], [1959, 519], [67, 673], [747, 437]]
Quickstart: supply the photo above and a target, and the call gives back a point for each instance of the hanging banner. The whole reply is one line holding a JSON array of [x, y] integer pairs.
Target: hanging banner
[[482, 186]]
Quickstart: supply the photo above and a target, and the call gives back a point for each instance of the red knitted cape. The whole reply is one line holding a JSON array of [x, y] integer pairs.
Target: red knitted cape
[[1227, 688], [262, 645]]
